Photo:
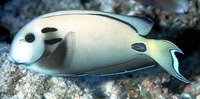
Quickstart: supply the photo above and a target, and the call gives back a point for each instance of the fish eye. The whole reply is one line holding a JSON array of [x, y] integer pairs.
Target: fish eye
[[29, 38]]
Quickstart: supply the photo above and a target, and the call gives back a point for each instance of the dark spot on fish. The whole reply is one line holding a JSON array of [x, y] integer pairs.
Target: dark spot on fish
[[48, 29], [52, 41], [140, 47]]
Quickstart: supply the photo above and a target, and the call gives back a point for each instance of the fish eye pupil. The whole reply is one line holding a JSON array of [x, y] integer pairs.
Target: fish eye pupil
[[29, 38]]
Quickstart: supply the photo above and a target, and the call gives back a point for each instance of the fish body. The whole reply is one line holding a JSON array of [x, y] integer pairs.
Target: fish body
[[67, 43]]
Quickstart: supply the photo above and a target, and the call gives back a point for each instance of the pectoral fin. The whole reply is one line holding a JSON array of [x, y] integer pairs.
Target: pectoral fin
[[61, 57]]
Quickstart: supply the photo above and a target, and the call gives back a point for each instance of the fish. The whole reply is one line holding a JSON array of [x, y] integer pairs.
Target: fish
[[83, 42], [173, 6]]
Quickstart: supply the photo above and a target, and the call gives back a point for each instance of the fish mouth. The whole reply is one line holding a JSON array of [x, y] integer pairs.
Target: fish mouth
[[9, 58], [13, 61], [18, 63]]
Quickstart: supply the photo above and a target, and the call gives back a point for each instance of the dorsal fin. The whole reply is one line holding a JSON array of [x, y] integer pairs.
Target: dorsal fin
[[142, 24]]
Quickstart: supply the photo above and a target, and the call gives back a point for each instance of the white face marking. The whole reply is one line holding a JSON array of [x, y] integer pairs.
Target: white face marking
[[27, 46]]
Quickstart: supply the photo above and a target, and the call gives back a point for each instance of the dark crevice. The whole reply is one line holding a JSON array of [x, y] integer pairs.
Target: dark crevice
[[5, 35], [2, 2]]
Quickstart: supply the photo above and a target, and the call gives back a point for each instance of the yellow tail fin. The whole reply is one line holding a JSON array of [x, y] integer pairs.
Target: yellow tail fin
[[163, 52]]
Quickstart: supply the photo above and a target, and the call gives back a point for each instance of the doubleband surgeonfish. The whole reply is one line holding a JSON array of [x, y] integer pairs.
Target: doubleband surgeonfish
[[67, 43]]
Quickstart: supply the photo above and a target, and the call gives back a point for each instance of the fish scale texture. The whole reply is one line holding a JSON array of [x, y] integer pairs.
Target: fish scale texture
[[182, 29]]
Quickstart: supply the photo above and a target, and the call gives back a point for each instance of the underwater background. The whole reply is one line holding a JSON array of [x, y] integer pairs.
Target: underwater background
[[182, 28]]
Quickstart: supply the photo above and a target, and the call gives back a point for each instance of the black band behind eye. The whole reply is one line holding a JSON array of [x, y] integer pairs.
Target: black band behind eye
[[48, 29], [52, 41]]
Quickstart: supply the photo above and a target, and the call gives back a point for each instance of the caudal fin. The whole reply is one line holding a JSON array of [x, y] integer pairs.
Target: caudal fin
[[163, 52]]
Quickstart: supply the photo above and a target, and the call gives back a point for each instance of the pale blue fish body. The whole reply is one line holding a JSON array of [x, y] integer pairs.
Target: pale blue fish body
[[67, 43]]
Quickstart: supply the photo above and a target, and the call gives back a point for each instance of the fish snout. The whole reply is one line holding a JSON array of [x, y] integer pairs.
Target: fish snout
[[17, 63], [12, 60]]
